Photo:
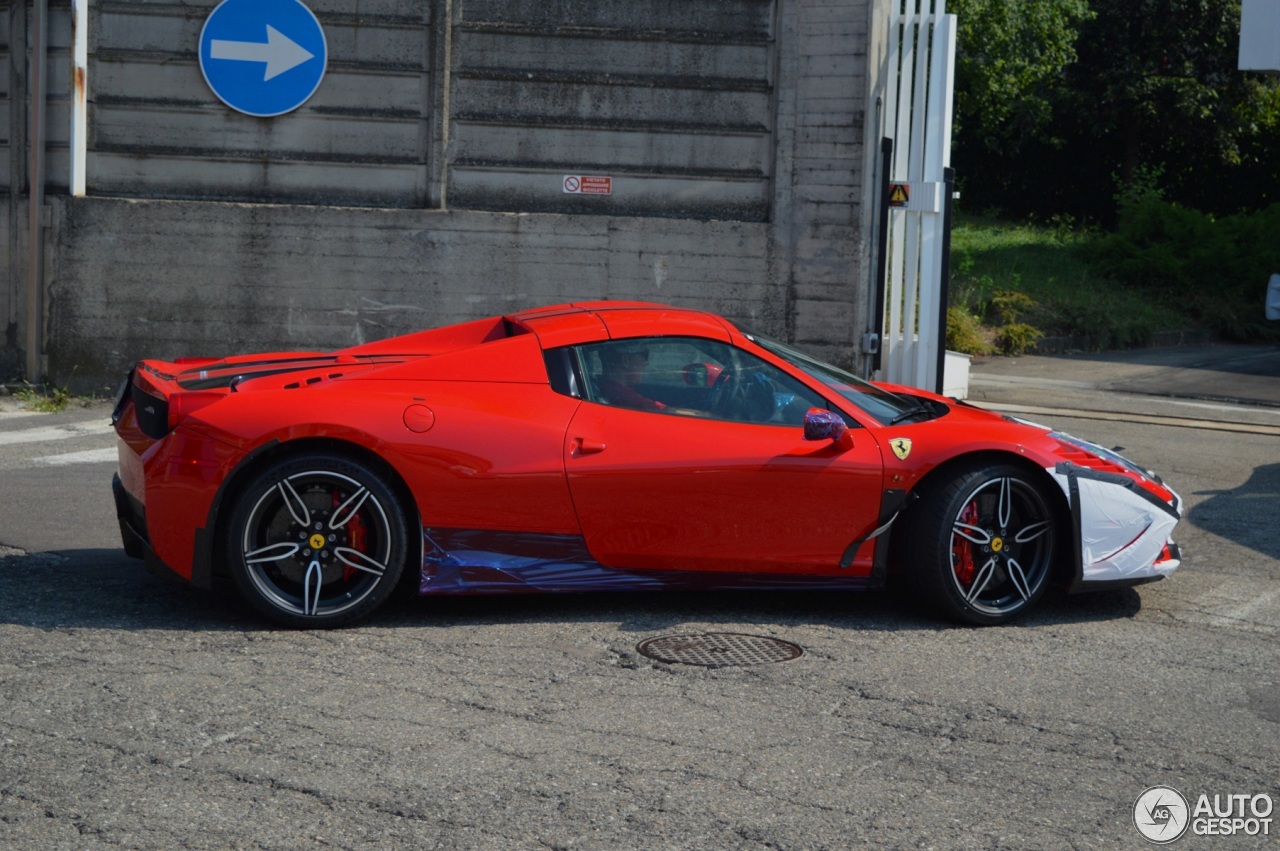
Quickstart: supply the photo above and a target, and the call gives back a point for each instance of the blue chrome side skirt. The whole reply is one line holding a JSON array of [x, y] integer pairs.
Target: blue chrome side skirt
[[478, 561]]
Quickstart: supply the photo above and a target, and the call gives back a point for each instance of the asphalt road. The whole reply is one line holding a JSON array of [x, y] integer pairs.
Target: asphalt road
[[142, 714]]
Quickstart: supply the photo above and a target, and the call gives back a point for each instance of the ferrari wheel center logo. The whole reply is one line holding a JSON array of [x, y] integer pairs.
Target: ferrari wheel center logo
[[317, 541], [901, 447], [997, 544]]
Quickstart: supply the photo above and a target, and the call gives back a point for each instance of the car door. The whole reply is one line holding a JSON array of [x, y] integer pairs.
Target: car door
[[690, 483]]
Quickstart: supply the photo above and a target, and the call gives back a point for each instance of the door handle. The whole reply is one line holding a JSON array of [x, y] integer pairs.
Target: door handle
[[588, 447]]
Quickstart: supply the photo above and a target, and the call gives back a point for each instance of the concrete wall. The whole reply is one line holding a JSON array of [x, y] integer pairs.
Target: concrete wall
[[265, 277], [422, 183]]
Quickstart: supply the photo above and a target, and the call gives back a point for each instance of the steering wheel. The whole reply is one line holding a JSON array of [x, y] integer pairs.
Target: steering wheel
[[760, 401], [727, 395]]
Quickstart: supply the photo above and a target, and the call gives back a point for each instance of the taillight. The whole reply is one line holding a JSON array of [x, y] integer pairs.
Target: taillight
[[183, 405]]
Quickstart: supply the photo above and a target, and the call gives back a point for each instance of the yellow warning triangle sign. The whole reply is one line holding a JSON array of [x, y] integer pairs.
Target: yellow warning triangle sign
[[898, 194]]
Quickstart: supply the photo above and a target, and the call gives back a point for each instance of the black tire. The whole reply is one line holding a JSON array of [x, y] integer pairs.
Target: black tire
[[298, 503], [981, 547]]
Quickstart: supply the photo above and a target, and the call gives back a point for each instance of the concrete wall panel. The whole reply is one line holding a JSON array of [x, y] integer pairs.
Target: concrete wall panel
[[670, 152], [613, 102], [735, 18], [672, 196], [627, 54], [157, 130], [679, 96], [357, 185], [308, 137]]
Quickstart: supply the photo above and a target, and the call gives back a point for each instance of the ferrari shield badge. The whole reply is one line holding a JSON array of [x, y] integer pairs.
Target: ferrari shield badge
[[901, 447]]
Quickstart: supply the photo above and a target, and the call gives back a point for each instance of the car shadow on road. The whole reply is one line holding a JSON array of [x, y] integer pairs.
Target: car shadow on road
[[104, 589], [642, 612], [1233, 514]]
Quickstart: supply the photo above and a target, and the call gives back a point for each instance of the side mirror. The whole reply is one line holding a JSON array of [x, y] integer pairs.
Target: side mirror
[[827, 425], [701, 374]]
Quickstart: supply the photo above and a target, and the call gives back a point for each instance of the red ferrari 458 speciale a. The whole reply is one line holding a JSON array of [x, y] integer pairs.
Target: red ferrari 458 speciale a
[[608, 446]]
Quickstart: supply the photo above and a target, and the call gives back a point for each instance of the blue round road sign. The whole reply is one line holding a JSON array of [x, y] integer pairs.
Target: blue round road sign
[[263, 57]]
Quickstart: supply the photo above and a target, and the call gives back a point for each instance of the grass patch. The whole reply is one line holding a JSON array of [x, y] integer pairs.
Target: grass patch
[[45, 400], [1018, 279]]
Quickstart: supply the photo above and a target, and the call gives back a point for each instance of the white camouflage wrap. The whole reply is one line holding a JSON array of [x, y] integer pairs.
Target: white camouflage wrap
[[1122, 529]]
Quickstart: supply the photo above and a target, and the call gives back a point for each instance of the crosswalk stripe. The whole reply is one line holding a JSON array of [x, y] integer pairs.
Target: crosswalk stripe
[[45, 433], [88, 456], [17, 415]]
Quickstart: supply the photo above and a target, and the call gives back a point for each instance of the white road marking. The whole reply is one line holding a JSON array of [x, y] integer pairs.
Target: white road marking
[[1236, 605], [1050, 383], [88, 456], [1121, 417], [61, 432], [1246, 610]]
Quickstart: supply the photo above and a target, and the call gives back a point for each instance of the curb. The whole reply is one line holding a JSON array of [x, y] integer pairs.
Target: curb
[[1089, 343]]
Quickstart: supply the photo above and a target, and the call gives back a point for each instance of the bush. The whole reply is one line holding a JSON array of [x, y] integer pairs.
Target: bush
[[1217, 267], [1009, 305], [1017, 338], [964, 332], [1045, 276], [1107, 323]]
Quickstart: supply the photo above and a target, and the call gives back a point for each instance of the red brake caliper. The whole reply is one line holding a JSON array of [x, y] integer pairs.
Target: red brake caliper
[[962, 550], [357, 534]]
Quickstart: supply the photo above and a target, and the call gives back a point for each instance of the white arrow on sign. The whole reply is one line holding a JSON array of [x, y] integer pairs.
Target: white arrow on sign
[[280, 52]]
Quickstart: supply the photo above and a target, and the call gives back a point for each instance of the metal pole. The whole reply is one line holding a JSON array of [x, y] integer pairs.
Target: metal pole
[[944, 274], [882, 248], [446, 104], [79, 95], [17, 163], [35, 216]]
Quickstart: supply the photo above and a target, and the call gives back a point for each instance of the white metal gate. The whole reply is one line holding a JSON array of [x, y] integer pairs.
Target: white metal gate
[[918, 109]]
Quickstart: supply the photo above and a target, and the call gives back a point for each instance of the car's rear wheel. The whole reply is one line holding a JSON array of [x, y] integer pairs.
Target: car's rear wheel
[[981, 547], [317, 541]]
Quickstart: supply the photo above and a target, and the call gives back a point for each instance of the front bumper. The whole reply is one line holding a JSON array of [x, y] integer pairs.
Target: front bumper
[[1121, 531]]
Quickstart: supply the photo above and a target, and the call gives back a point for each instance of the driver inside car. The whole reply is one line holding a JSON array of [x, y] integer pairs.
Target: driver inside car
[[623, 368]]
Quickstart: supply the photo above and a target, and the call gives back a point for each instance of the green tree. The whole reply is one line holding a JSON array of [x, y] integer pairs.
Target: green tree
[[1157, 85], [1063, 103], [1010, 60]]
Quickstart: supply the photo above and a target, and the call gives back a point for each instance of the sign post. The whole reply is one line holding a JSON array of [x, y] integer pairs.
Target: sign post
[[1260, 36]]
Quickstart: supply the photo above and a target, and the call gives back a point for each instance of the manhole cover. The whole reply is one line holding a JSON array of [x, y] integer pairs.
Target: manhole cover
[[718, 649]]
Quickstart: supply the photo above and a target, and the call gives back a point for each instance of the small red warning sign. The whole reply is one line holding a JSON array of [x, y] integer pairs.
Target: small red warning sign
[[899, 194], [579, 184]]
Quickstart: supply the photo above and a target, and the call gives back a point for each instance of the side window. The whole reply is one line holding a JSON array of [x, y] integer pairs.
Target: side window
[[692, 377]]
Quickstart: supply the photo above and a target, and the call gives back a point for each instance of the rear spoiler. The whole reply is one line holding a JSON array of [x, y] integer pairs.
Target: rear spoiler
[[164, 393]]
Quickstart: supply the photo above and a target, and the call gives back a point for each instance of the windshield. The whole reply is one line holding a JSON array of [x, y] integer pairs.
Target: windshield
[[884, 406]]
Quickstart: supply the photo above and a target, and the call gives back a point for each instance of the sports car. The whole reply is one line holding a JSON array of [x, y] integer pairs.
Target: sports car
[[608, 446]]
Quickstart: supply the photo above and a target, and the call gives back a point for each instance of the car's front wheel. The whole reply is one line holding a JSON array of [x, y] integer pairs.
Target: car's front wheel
[[317, 541], [981, 546]]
